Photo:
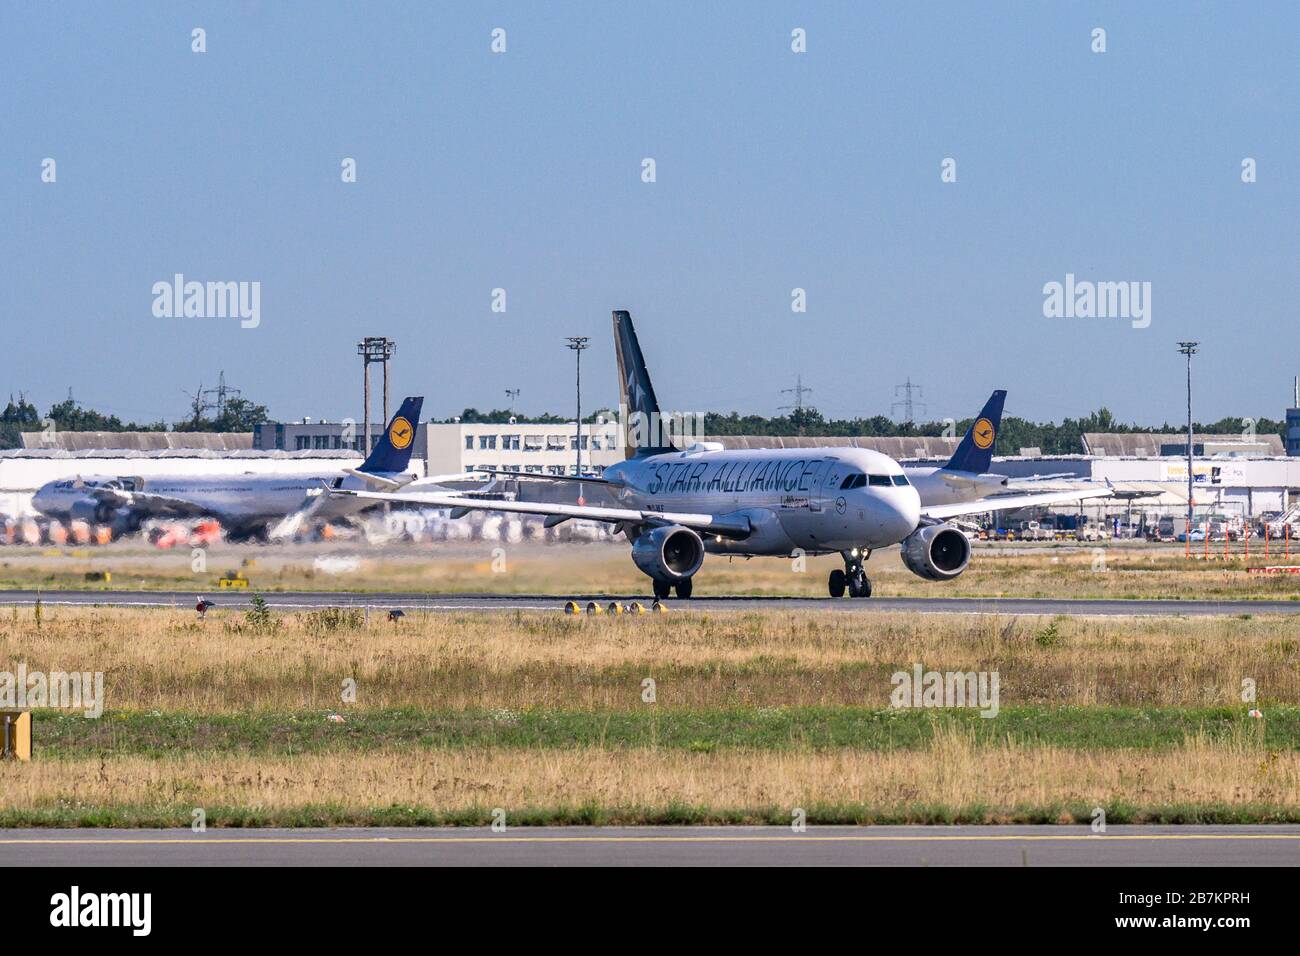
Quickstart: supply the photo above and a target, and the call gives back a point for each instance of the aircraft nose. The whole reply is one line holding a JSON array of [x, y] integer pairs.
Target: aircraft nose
[[902, 513]]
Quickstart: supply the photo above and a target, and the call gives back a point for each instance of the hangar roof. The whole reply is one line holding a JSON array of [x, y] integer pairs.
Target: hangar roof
[[139, 441], [1147, 444], [919, 447], [35, 454]]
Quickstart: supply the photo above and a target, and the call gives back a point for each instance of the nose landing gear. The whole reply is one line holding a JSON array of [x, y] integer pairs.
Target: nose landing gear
[[853, 578]]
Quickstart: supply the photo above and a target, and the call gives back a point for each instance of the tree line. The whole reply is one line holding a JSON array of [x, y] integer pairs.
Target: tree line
[[1065, 438], [236, 415], [240, 415]]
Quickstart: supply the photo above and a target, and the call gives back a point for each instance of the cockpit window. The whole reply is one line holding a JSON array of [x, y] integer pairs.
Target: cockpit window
[[878, 481], [855, 480], [899, 480]]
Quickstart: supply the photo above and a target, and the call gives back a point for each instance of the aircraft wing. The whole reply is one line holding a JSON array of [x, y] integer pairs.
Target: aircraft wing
[[383, 483], [586, 480], [709, 524], [1009, 502], [154, 506]]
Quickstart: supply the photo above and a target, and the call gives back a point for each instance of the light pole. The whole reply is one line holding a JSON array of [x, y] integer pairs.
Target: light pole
[[578, 343], [1189, 349], [373, 348]]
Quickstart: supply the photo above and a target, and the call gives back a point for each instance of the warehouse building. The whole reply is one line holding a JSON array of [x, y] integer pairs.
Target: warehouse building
[[1166, 445], [323, 435], [1226, 484], [529, 448], [524, 447]]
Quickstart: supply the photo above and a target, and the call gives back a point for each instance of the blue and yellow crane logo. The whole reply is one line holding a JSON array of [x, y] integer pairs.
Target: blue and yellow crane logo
[[400, 432]]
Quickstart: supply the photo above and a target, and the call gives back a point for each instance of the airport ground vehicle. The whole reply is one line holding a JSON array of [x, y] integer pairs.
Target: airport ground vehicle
[[1280, 525]]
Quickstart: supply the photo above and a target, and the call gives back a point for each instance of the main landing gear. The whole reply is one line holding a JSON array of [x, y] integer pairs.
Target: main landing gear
[[663, 588], [853, 578]]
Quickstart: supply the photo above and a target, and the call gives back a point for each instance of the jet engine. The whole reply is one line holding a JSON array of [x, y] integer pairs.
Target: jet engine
[[670, 554], [937, 552]]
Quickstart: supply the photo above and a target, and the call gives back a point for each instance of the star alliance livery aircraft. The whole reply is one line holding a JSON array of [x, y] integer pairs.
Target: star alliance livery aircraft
[[676, 505], [248, 506]]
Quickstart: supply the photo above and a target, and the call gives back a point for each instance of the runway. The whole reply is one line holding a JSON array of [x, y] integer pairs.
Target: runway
[[662, 846], [299, 600]]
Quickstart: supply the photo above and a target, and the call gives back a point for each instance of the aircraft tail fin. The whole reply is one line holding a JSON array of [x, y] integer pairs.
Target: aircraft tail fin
[[975, 453], [392, 453], [645, 430]]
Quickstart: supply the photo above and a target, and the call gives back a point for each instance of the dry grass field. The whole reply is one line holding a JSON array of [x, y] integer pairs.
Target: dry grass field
[[752, 714], [953, 779], [530, 568], [166, 660]]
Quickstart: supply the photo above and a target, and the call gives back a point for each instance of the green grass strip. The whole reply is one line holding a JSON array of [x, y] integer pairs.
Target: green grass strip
[[165, 815], [60, 735]]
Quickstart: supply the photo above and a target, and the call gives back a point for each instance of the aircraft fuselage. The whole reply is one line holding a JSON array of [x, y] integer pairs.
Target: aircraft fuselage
[[236, 500], [815, 499]]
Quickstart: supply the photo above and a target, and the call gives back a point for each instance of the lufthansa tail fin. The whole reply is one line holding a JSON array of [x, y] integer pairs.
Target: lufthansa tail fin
[[392, 453], [646, 432], [975, 453]]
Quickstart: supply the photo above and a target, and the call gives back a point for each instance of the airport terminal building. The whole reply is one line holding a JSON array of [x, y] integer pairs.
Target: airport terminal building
[[527, 448]]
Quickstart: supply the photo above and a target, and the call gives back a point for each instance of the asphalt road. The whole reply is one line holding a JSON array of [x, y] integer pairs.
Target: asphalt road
[[291, 600], [662, 846]]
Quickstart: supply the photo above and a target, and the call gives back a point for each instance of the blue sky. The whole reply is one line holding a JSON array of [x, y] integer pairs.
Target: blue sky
[[774, 171]]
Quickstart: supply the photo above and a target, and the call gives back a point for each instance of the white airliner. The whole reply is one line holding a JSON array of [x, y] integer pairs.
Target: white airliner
[[248, 506], [674, 506]]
